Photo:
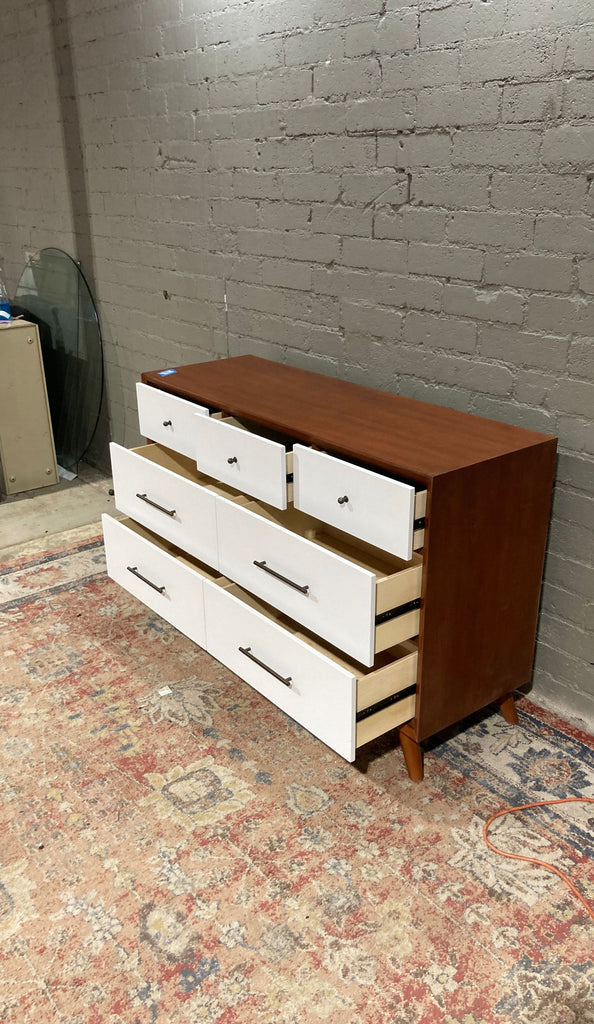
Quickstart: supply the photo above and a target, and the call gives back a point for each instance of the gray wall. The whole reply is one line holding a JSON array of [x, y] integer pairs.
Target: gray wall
[[392, 193]]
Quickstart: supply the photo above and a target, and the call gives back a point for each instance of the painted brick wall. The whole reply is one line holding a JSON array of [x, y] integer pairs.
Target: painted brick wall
[[394, 193]]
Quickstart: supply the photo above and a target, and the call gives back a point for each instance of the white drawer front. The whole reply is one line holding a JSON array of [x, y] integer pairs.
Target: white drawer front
[[360, 502], [186, 515], [170, 588], [167, 419], [317, 693], [338, 597], [252, 464]]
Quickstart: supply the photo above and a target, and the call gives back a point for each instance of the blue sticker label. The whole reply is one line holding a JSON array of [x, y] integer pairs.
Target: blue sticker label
[[165, 373]]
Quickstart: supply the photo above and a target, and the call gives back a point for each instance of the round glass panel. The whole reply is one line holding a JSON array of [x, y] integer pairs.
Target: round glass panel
[[54, 294]]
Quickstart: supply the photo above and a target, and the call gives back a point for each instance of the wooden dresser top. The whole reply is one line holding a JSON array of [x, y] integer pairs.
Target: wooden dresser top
[[402, 435]]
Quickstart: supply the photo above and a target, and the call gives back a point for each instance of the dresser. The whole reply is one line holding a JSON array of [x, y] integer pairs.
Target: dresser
[[366, 561]]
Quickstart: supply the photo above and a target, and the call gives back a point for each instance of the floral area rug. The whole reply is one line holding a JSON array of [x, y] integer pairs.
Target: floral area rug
[[197, 857]]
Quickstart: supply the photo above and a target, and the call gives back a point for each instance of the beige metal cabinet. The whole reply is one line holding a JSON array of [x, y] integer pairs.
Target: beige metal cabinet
[[27, 453]]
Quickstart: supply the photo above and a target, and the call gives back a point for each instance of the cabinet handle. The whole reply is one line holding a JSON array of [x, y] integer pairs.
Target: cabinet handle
[[167, 423], [343, 500], [167, 511], [248, 653], [135, 572], [232, 460], [283, 579]]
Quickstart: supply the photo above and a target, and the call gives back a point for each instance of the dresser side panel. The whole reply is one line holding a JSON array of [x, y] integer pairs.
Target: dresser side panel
[[486, 540]]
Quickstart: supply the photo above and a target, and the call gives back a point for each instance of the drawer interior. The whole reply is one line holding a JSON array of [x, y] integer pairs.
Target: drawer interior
[[186, 468], [164, 545], [385, 692]]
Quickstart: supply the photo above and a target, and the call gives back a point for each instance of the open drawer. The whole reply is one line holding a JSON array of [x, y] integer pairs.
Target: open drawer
[[252, 463], [371, 505], [339, 702], [158, 574], [164, 491], [360, 599], [165, 418]]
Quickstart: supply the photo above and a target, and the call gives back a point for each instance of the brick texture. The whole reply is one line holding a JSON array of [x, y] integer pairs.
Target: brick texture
[[389, 192]]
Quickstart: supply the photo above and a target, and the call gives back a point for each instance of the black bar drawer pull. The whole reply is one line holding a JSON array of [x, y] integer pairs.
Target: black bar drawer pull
[[167, 511], [248, 653], [133, 569], [283, 579]]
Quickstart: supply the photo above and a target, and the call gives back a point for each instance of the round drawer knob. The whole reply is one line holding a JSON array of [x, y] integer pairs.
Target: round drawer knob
[[343, 500], [167, 423], [232, 460]]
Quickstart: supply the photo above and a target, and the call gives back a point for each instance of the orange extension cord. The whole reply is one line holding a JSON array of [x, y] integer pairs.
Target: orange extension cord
[[533, 860]]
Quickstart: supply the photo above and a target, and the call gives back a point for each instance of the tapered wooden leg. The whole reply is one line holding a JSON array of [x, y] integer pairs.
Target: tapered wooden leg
[[413, 754], [508, 708]]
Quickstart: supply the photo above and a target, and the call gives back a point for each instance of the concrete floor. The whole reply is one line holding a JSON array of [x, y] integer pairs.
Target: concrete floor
[[70, 503]]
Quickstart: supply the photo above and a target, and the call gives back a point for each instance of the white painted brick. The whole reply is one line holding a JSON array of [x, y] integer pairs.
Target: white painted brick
[[560, 315], [286, 274], [580, 362], [293, 153], [498, 148], [256, 185], [394, 33], [538, 191], [510, 231], [374, 188], [330, 154], [569, 147], [450, 188], [342, 220], [369, 319], [535, 102], [521, 348], [579, 99], [572, 234], [286, 84], [465, 21], [388, 114], [378, 255], [547, 14], [420, 70], [430, 150], [457, 107], [439, 332], [538, 273], [410, 223], [586, 276], [463, 300], [447, 261], [311, 185], [577, 50], [318, 118], [520, 58], [284, 216], [346, 78], [315, 47]]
